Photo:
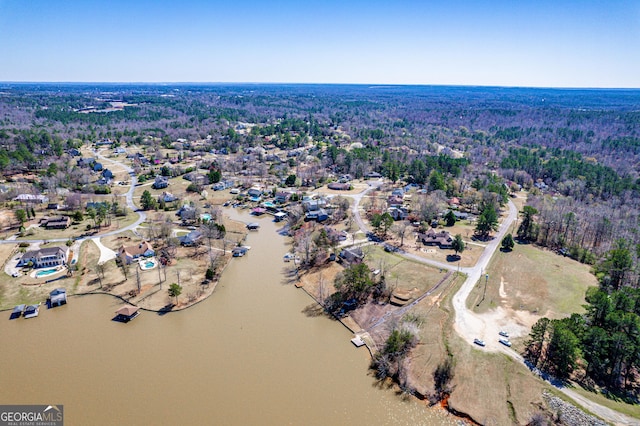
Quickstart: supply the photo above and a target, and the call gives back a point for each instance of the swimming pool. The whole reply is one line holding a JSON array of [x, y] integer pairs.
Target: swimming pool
[[45, 272], [206, 217], [149, 264], [268, 204]]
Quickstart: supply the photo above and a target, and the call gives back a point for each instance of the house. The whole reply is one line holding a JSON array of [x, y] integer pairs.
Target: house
[[338, 186], [58, 297], [74, 152], [129, 253], [187, 212], [85, 162], [319, 215], [395, 200], [282, 197], [352, 255], [32, 199], [311, 205], [160, 182], [107, 174], [120, 150], [398, 192], [432, 238], [53, 206], [44, 258], [58, 222], [97, 205], [168, 197], [279, 216], [104, 142], [373, 175], [197, 178], [397, 213], [218, 186], [254, 192], [191, 239]]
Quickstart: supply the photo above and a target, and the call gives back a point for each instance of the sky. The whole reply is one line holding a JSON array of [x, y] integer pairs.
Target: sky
[[539, 43]]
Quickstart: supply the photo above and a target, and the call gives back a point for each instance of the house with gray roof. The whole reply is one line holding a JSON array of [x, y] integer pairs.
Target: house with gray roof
[[44, 258]]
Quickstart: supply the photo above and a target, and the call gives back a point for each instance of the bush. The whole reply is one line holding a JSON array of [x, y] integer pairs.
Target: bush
[[209, 274]]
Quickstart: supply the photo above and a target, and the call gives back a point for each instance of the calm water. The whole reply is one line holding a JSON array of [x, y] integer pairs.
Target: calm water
[[248, 355]]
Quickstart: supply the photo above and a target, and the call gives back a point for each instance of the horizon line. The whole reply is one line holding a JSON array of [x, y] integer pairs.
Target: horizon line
[[371, 85]]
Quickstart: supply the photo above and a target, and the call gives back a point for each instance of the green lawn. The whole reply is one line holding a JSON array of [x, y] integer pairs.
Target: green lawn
[[535, 280]]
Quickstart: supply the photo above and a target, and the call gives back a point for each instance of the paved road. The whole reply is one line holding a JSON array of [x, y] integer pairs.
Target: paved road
[[470, 325]]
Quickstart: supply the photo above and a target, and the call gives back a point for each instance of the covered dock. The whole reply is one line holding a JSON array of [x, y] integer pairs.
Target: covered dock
[[17, 311], [58, 297], [127, 313]]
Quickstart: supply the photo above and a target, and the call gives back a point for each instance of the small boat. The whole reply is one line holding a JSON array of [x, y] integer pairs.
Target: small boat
[[239, 251], [32, 311], [253, 226]]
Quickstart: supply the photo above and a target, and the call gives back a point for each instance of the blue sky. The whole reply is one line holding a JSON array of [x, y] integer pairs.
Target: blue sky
[[580, 43]]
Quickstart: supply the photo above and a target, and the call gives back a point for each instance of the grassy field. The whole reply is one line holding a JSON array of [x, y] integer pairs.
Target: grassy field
[[534, 280], [492, 388], [632, 410], [400, 272]]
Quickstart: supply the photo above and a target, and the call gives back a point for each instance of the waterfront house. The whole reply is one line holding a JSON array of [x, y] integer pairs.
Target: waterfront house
[[129, 253], [58, 297], [319, 215], [44, 258]]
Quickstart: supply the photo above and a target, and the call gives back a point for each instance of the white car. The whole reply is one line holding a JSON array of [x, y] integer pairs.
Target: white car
[[479, 342], [15, 275], [505, 342], [504, 334]]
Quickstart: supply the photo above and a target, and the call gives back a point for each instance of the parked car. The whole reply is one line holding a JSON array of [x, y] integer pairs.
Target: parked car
[[504, 334], [505, 342], [479, 342]]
